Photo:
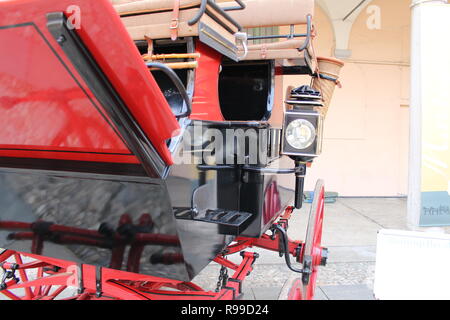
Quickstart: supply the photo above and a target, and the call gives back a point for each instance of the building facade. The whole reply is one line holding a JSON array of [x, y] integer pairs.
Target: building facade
[[365, 151]]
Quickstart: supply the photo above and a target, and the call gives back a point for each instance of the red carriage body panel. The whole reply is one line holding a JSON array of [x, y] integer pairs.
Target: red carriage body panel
[[47, 110], [205, 104]]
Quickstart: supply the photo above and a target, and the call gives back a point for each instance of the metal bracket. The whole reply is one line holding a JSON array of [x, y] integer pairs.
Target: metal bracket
[[98, 282], [242, 38], [216, 41], [307, 270], [80, 278], [8, 274]]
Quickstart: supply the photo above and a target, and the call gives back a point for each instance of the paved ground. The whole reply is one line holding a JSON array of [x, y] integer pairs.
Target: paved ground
[[350, 230]]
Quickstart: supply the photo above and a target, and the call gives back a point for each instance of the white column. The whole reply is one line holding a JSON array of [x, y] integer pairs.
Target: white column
[[430, 88]]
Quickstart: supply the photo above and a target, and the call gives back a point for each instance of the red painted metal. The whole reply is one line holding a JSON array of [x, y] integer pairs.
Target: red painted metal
[[313, 247], [272, 202], [55, 116], [205, 104], [267, 242], [56, 277], [49, 285], [295, 293], [226, 263]]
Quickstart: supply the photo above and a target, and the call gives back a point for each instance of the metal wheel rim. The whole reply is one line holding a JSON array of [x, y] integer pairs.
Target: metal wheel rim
[[312, 246]]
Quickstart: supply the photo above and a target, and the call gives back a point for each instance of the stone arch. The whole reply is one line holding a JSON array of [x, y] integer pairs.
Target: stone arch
[[336, 11]]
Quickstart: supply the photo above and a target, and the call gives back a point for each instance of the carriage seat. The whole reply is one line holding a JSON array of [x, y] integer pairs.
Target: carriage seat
[[152, 19], [157, 19], [269, 13]]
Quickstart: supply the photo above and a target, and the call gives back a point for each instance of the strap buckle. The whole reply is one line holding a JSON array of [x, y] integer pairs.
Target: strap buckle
[[175, 23]]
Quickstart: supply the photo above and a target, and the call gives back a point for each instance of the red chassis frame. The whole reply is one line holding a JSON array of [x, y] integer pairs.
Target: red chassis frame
[[135, 286], [54, 276]]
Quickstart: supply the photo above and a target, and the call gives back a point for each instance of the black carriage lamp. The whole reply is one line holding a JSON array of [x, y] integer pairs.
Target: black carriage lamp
[[302, 133]]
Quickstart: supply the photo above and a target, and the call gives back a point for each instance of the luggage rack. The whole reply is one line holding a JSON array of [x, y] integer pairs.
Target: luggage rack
[[291, 35], [222, 11]]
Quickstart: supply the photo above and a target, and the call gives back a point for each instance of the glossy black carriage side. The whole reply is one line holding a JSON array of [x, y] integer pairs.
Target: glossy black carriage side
[[238, 170], [103, 214]]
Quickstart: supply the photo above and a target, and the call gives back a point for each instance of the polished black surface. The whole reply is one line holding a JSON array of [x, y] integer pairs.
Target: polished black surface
[[226, 182], [114, 206], [132, 222]]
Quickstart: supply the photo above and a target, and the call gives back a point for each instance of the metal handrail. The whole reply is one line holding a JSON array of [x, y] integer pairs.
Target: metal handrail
[[220, 10], [199, 14], [287, 36], [176, 80], [306, 35], [241, 6]]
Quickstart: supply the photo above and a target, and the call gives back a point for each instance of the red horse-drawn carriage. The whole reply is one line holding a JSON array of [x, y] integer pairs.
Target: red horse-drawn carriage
[[142, 140]]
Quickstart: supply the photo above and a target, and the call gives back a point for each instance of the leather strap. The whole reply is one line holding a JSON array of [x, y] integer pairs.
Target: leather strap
[[150, 46], [263, 51], [175, 20]]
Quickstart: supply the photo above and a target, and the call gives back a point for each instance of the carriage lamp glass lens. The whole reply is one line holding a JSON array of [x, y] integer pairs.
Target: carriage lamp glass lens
[[300, 134]]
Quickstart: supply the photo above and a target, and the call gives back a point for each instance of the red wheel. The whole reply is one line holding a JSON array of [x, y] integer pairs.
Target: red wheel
[[313, 255], [27, 278], [295, 293]]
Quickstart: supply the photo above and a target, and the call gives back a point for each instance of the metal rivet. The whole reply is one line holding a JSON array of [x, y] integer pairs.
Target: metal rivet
[[61, 39]]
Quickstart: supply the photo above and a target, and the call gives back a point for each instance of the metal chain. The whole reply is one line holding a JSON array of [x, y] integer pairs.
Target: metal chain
[[223, 278]]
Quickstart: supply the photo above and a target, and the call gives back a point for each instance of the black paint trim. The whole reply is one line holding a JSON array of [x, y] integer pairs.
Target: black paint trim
[[73, 166], [66, 151], [129, 289], [179, 294], [105, 93], [11, 26], [238, 282], [144, 12]]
